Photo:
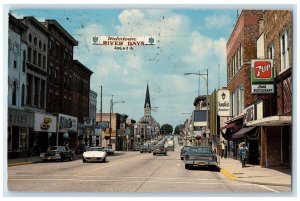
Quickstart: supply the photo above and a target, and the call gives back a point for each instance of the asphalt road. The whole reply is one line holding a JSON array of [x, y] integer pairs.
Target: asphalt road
[[125, 172]]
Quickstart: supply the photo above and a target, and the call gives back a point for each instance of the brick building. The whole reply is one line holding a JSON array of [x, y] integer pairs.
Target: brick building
[[241, 48], [275, 43]]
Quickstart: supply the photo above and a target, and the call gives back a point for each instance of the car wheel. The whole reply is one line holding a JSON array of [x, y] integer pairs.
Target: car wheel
[[149, 151], [154, 154], [71, 158], [104, 160], [83, 160], [141, 152], [187, 166]]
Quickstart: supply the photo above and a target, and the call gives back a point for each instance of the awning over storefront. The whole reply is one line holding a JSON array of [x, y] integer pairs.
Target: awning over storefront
[[272, 121], [241, 133]]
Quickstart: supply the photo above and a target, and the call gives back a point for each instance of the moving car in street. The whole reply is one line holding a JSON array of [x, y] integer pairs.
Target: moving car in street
[[199, 156], [94, 154], [58, 153], [183, 150], [145, 148], [159, 150], [109, 150]]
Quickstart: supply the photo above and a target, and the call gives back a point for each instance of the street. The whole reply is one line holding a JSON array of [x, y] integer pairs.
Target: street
[[126, 172]]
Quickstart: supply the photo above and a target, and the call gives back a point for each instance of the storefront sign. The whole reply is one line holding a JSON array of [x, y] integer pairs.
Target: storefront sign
[[262, 88], [262, 76], [223, 103], [249, 114], [67, 123], [20, 118], [102, 125], [125, 43], [44, 123]]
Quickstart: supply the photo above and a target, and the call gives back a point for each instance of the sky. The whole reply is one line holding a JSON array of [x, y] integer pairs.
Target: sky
[[189, 40]]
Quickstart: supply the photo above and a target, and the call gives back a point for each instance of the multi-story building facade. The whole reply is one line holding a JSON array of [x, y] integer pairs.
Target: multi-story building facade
[[274, 111], [59, 82], [18, 119], [241, 48]]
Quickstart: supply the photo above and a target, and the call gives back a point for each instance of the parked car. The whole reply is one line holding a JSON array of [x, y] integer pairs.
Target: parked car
[[183, 150], [145, 148], [136, 148], [94, 154], [109, 150], [159, 150], [56, 153], [199, 156]]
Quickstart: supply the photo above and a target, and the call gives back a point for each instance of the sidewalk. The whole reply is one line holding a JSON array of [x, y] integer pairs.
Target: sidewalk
[[232, 169], [23, 161]]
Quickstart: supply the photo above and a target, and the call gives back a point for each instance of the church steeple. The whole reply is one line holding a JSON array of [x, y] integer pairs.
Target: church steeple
[[147, 105]]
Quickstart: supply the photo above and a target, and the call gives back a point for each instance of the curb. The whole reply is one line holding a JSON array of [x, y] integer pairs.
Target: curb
[[228, 174], [21, 163]]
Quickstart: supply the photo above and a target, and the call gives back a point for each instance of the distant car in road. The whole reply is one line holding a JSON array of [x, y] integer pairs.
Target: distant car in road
[[94, 154], [58, 153], [136, 148], [199, 156], [145, 148], [159, 150], [109, 150], [183, 150]]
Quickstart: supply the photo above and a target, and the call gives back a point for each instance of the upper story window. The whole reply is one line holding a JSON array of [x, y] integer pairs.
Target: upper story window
[[40, 44], [30, 37], [271, 51], [284, 51], [24, 61], [35, 41]]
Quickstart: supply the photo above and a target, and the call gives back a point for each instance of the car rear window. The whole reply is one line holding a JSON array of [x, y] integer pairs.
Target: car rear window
[[199, 150]]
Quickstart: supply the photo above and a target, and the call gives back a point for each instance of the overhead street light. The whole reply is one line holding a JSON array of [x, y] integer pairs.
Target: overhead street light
[[205, 77]]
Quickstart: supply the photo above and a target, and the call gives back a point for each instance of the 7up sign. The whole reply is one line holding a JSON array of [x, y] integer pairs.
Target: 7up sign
[[262, 76]]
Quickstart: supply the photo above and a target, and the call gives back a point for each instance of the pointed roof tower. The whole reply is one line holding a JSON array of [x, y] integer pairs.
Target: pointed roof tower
[[147, 98]]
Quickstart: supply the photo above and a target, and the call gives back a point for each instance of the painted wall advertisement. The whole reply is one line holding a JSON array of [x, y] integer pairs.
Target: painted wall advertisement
[[125, 43], [223, 103], [262, 76], [67, 123], [44, 123]]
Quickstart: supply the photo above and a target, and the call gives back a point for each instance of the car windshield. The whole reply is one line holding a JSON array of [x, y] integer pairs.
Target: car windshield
[[199, 150], [95, 149]]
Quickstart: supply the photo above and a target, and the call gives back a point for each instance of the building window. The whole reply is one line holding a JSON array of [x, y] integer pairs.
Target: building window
[[271, 51], [42, 92], [39, 60], [241, 98], [40, 44], [15, 56], [284, 51], [24, 61], [23, 95], [29, 54], [14, 94], [35, 41], [30, 37], [36, 91], [34, 57], [44, 62], [29, 85]]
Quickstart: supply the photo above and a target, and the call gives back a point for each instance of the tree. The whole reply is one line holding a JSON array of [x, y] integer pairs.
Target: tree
[[166, 129], [178, 129]]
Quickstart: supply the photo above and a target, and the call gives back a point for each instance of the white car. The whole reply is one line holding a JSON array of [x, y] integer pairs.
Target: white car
[[94, 154]]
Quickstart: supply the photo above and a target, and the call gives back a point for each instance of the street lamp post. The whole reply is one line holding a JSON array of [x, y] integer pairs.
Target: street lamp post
[[206, 80]]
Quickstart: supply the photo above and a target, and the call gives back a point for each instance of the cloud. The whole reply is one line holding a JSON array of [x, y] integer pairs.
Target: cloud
[[217, 21]]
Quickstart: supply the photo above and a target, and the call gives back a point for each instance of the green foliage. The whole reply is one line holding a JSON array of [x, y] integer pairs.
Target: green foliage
[[178, 129], [166, 129]]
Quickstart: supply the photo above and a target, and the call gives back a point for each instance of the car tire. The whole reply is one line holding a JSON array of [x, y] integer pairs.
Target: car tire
[[154, 154], [187, 166], [149, 151], [71, 158], [104, 160], [83, 160], [181, 158]]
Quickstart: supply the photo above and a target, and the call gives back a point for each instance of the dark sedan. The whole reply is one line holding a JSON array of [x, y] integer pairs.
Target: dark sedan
[[159, 150], [109, 150], [58, 153], [199, 156]]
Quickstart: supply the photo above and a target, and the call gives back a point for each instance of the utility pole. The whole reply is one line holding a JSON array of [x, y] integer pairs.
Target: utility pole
[[101, 104]]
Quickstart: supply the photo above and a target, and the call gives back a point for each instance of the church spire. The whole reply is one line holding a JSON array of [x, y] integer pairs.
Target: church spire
[[147, 98]]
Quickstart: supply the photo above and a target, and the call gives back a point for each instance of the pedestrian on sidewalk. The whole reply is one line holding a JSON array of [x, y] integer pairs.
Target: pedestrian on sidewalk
[[223, 149], [243, 154]]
